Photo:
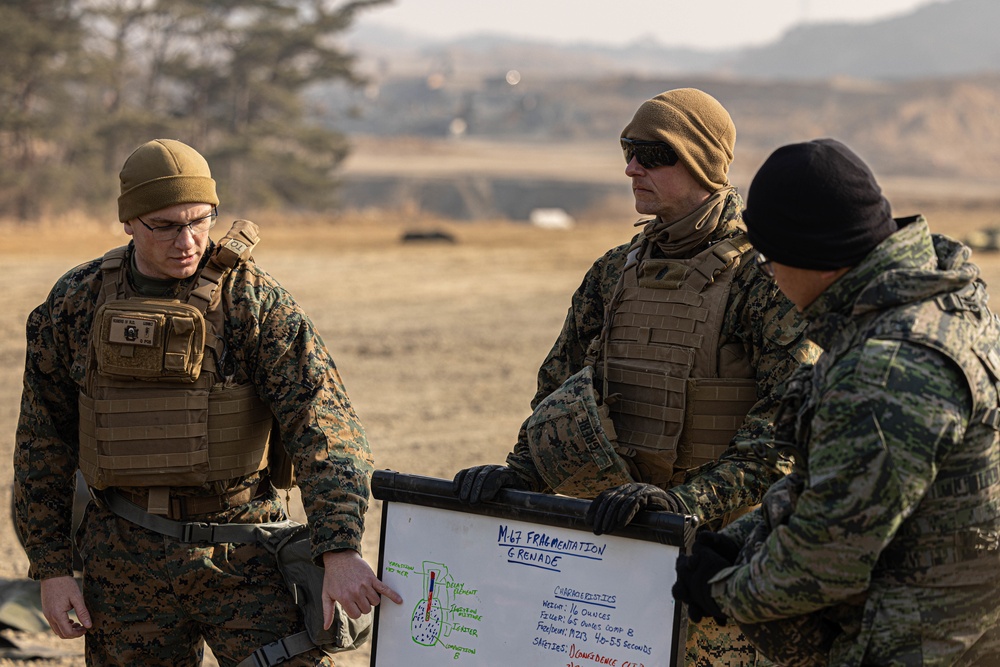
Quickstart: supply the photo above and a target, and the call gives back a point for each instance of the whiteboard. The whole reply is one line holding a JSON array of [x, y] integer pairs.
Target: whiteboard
[[495, 590]]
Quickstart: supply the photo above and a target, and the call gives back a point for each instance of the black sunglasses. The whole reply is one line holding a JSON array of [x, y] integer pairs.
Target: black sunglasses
[[649, 154]]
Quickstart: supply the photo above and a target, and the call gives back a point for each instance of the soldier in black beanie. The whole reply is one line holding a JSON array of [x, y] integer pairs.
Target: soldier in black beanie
[[813, 210], [860, 555]]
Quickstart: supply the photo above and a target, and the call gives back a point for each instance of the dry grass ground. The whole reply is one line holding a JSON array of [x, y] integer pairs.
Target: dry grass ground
[[437, 343]]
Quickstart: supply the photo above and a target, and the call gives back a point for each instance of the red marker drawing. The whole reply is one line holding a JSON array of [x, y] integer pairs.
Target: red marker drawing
[[430, 596]]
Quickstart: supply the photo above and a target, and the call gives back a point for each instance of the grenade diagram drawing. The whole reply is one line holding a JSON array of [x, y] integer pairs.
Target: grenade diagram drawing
[[429, 621]]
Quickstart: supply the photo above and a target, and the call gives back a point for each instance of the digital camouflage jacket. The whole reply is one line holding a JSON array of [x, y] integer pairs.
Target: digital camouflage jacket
[[757, 315], [269, 342], [890, 542]]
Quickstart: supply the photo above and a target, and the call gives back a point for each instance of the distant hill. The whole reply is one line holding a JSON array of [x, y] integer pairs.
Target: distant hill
[[947, 126], [386, 52], [916, 95], [954, 37], [941, 130], [937, 40]]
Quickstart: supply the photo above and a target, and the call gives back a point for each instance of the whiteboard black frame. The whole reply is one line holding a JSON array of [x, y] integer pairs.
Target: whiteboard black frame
[[664, 527]]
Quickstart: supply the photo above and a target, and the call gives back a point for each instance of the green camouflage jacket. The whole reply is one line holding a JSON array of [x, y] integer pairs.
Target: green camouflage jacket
[[757, 315], [891, 539], [270, 342]]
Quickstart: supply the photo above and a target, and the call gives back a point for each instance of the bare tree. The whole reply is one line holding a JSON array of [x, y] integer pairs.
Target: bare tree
[[87, 80]]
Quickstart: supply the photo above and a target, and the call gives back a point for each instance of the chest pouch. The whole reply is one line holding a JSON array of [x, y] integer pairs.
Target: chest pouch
[[150, 339]]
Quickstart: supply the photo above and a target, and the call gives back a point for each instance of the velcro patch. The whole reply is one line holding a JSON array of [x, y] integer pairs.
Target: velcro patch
[[134, 330]]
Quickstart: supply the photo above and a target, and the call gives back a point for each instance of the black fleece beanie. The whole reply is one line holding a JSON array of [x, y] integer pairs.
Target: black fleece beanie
[[816, 205]]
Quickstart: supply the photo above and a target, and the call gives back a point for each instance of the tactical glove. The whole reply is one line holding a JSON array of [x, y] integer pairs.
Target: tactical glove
[[614, 508], [711, 552], [481, 483]]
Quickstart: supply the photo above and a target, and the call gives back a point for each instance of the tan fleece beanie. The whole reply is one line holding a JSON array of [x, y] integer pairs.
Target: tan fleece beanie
[[161, 173], [696, 126]]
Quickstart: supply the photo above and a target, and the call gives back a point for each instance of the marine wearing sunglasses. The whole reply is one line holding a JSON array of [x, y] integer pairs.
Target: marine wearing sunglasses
[[649, 154]]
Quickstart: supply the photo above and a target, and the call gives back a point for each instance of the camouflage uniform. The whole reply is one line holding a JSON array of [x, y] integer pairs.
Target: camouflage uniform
[[882, 548], [151, 597], [765, 322]]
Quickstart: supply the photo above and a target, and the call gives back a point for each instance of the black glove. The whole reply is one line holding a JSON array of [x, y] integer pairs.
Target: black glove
[[614, 508], [711, 553], [480, 483]]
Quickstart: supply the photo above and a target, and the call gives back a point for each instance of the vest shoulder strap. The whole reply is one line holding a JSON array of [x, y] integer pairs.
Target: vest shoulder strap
[[111, 271], [113, 259], [233, 248], [717, 259], [236, 246]]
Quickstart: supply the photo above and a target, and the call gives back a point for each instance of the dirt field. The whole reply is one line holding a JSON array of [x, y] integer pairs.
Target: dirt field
[[437, 343]]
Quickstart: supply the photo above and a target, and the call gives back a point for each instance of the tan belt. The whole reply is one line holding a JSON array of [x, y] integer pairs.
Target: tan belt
[[180, 508]]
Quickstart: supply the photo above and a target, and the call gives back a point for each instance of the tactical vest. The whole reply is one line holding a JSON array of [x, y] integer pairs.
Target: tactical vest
[[676, 399], [154, 411]]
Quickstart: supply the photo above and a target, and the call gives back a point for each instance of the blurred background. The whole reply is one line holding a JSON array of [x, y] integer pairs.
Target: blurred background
[[486, 132], [486, 110]]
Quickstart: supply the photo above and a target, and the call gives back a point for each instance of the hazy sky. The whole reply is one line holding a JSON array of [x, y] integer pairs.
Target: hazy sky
[[709, 24]]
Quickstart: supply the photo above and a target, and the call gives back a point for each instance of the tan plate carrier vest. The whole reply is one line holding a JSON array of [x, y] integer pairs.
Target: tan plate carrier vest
[[676, 399], [153, 412]]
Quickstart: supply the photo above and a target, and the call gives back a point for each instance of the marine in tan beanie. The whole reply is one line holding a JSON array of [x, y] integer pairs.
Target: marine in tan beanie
[[161, 173], [167, 204], [696, 126], [157, 370]]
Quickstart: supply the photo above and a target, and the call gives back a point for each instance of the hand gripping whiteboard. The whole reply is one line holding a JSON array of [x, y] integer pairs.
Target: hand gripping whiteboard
[[522, 581]]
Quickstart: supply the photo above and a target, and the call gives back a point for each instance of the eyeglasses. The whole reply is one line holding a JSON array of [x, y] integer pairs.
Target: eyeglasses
[[649, 154], [764, 266], [170, 232]]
